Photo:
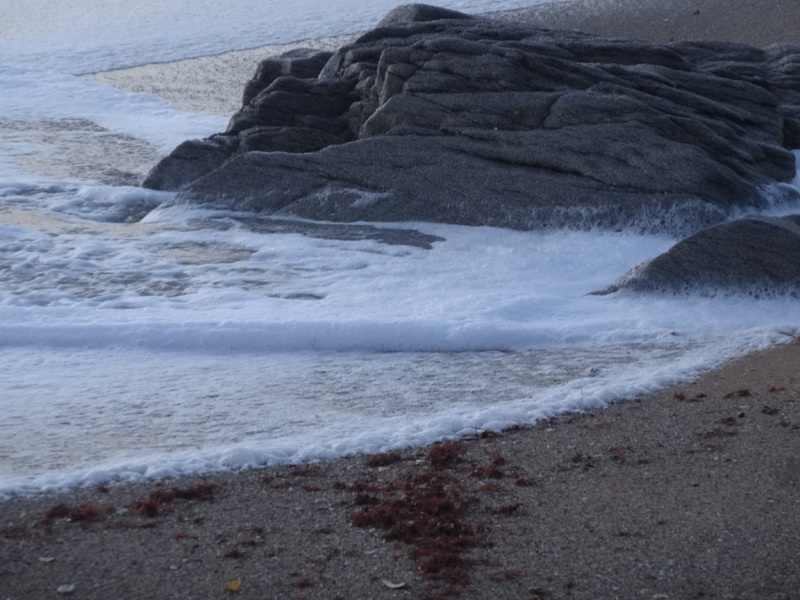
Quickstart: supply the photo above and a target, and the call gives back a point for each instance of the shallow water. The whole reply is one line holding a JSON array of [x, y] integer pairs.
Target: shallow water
[[220, 340]]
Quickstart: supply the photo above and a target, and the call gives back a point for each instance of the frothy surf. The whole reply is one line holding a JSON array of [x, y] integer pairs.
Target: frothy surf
[[197, 340]]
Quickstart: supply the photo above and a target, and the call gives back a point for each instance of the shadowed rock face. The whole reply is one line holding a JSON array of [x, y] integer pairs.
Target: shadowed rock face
[[759, 256], [438, 116]]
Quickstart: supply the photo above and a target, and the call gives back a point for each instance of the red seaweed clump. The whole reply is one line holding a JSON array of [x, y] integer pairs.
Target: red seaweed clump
[[445, 455], [383, 459], [88, 513], [493, 469], [162, 498], [306, 470], [428, 515]]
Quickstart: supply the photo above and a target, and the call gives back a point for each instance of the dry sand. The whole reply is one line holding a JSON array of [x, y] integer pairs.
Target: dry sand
[[210, 85], [690, 492], [213, 85], [755, 22]]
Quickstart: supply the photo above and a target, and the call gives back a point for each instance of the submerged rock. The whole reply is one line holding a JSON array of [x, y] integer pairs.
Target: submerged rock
[[439, 116], [759, 256]]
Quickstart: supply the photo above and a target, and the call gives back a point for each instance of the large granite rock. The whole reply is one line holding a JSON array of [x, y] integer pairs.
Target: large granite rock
[[759, 256], [439, 116]]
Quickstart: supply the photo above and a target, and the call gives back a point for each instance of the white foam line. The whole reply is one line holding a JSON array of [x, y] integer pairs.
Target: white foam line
[[380, 435]]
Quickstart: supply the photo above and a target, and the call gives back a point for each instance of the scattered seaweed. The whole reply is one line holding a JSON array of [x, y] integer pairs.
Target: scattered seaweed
[[147, 508], [443, 559], [306, 470], [504, 575], [618, 453], [427, 515], [161, 499], [88, 513], [718, 432], [508, 509], [365, 485], [580, 460], [323, 531], [445, 454], [523, 481], [489, 487], [383, 460], [365, 499], [15, 532], [492, 470], [696, 398], [487, 472], [130, 525]]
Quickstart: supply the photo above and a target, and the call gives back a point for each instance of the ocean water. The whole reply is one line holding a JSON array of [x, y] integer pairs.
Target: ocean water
[[192, 341]]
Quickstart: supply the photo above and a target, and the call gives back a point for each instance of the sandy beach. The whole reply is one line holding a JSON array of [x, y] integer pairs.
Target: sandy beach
[[754, 22], [689, 492], [214, 84]]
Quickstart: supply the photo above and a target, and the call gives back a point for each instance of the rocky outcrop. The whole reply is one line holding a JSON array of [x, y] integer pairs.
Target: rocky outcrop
[[759, 256], [438, 116]]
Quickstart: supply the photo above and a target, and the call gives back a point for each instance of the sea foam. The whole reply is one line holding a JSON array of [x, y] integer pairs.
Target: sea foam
[[194, 341]]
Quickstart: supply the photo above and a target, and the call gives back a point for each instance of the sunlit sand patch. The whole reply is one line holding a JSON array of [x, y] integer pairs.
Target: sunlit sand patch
[[76, 149], [211, 84], [56, 224]]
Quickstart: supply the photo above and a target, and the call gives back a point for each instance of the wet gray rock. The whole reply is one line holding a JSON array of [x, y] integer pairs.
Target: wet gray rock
[[301, 63], [439, 116], [191, 160], [755, 255]]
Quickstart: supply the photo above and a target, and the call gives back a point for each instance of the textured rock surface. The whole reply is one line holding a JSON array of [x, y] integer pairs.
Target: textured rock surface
[[755, 255], [438, 116]]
